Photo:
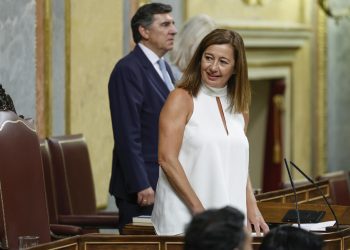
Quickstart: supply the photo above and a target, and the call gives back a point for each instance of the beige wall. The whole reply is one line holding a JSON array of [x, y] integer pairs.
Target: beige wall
[[276, 12], [96, 44]]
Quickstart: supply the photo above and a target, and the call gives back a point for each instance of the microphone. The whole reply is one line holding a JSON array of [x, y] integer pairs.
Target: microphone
[[295, 194], [318, 188]]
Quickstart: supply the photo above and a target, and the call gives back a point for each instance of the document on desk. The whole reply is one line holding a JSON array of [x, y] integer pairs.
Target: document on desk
[[254, 234], [321, 226], [142, 219]]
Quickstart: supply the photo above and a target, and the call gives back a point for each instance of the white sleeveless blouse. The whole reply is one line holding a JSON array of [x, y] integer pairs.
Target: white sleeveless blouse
[[215, 163]]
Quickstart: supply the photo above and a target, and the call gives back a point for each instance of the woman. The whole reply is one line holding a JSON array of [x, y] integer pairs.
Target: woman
[[203, 150]]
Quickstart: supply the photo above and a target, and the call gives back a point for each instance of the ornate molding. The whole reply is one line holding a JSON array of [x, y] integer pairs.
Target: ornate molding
[[336, 14], [272, 38], [256, 2], [43, 67], [320, 88], [67, 23]]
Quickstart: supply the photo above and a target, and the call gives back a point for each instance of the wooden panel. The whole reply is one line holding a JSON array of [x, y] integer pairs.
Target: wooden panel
[[305, 194], [337, 240], [334, 244], [301, 197], [135, 229], [122, 245], [333, 240], [347, 242], [274, 212], [137, 242], [313, 193], [174, 245], [70, 243]]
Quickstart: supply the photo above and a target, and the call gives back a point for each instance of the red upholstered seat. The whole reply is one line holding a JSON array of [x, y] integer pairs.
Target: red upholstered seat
[[58, 230], [49, 181], [23, 207], [74, 185]]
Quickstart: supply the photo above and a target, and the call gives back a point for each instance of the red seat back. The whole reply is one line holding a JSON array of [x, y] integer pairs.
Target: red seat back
[[73, 175], [49, 181], [23, 207]]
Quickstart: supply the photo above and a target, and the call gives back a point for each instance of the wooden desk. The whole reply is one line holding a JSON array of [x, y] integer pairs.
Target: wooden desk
[[114, 242], [305, 194], [139, 229], [273, 212], [142, 236], [333, 241]]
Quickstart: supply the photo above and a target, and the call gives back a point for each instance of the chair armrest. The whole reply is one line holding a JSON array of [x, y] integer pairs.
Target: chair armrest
[[111, 213], [59, 231], [90, 220]]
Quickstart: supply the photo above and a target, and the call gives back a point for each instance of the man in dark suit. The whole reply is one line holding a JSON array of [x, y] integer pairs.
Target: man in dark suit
[[137, 91]]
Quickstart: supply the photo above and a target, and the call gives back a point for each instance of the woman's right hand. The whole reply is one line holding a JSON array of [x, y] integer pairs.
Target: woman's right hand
[[198, 210]]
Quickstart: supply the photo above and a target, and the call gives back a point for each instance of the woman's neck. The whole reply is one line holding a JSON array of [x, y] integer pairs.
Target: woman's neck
[[214, 91]]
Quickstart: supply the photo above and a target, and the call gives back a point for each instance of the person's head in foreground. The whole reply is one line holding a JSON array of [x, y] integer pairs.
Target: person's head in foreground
[[291, 238], [217, 229]]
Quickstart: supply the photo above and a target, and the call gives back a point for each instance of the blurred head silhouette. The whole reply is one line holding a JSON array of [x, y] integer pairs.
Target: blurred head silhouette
[[217, 229], [291, 238], [188, 38]]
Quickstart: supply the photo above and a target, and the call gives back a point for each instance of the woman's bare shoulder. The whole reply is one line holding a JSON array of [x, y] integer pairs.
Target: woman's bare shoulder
[[180, 96], [179, 102]]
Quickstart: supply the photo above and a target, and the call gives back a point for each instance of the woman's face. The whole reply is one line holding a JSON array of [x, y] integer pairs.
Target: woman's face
[[217, 65]]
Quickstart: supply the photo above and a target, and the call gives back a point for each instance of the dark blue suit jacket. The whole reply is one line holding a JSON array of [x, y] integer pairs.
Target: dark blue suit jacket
[[136, 95]]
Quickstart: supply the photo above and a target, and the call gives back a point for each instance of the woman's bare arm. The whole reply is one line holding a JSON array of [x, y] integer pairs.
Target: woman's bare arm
[[174, 116], [253, 213]]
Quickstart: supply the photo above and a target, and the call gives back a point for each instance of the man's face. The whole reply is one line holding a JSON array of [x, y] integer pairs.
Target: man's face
[[159, 36]]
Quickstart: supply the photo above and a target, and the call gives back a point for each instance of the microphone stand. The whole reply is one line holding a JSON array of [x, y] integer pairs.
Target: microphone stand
[[318, 188], [295, 194]]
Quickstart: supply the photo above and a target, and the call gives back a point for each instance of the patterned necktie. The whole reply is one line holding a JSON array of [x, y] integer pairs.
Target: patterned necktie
[[165, 74]]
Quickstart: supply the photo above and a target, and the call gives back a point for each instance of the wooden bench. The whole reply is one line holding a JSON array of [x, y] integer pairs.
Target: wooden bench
[[333, 240], [305, 194]]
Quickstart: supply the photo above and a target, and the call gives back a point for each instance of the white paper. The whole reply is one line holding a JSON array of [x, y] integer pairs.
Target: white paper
[[316, 226], [254, 234]]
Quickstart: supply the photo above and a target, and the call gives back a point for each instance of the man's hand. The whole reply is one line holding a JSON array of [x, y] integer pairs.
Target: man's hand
[[145, 197]]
